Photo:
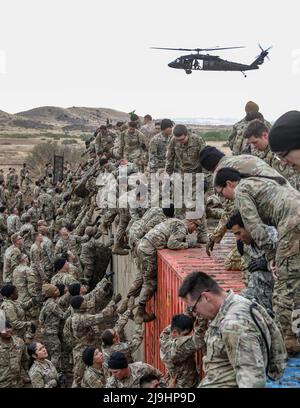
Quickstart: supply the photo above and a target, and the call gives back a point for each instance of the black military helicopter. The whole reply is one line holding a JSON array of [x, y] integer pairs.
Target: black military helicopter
[[206, 62]]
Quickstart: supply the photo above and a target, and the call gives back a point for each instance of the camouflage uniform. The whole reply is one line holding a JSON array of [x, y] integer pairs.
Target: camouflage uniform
[[137, 371], [83, 327], [26, 282], [103, 141], [187, 158], [13, 362], [131, 147], [27, 231], [50, 318], [36, 260], [43, 374], [149, 131], [93, 378], [236, 354], [126, 347], [3, 195], [168, 234], [47, 256], [73, 244], [46, 204], [10, 262], [13, 224], [259, 283], [178, 355], [157, 152], [262, 201], [15, 313], [34, 214], [63, 278]]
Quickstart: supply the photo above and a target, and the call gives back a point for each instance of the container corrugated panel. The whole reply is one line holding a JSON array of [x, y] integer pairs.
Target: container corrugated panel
[[173, 266]]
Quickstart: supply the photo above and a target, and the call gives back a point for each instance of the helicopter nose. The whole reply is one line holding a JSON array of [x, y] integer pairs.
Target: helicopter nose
[[172, 64]]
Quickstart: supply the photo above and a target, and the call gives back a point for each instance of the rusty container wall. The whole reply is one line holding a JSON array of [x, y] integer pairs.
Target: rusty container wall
[[173, 266]]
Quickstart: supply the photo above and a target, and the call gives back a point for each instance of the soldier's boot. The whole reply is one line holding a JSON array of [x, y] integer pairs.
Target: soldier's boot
[[118, 250], [292, 345], [142, 316], [123, 306]]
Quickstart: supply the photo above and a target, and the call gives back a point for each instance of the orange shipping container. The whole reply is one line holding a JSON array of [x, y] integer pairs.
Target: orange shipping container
[[173, 266]]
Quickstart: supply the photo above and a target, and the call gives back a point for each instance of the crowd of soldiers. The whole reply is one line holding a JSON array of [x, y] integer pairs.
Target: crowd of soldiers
[[62, 324]]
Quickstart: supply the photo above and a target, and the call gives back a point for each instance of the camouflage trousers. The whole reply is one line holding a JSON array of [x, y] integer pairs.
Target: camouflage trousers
[[123, 222], [233, 260], [145, 283], [260, 288], [286, 298], [53, 347]]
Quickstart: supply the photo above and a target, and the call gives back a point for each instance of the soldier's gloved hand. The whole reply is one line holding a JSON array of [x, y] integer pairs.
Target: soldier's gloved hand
[[62, 380], [32, 327], [35, 301], [240, 247], [210, 245], [108, 274], [258, 264], [116, 298]]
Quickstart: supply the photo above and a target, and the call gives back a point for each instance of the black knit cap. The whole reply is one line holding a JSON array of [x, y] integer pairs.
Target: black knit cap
[[59, 263], [74, 289], [8, 290], [285, 133], [166, 123], [88, 355], [117, 361], [61, 288], [76, 301], [209, 157]]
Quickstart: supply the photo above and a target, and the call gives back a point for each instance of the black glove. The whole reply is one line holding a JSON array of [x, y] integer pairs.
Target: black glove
[[258, 264], [35, 301], [108, 274], [62, 380], [240, 247], [117, 298], [33, 328]]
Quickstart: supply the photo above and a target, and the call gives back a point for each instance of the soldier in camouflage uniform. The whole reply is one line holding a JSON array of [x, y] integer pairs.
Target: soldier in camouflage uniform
[[178, 345], [36, 260], [46, 204], [13, 359], [3, 194], [132, 146], [83, 330], [93, 376], [271, 201], [15, 312], [42, 372], [47, 252], [168, 234], [10, 257], [124, 375], [104, 139], [158, 146], [27, 232], [257, 134], [259, 279], [3, 236], [22, 174], [148, 129], [50, 319], [111, 338], [18, 199], [26, 283], [34, 213], [184, 148], [10, 181], [13, 222], [62, 275], [236, 354]]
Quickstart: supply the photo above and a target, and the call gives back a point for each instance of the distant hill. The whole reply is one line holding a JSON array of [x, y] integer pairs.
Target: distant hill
[[59, 120]]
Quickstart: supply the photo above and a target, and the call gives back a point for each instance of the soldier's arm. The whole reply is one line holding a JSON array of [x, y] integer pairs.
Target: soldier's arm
[[137, 338], [243, 347], [49, 252], [32, 283], [177, 240], [231, 138], [94, 320], [153, 155], [253, 223], [221, 229], [111, 383], [13, 260], [170, 157], [64, 301], [122, 321], [17, 324], [99, 292]]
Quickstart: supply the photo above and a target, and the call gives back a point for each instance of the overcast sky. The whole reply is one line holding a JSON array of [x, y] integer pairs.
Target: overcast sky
[[96, 53]]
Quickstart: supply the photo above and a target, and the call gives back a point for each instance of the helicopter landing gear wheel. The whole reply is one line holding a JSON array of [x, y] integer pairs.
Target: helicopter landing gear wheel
[[188, 71]]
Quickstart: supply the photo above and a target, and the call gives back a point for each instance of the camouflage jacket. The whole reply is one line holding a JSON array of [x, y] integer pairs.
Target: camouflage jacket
[[149, 131], [178, 355], [131, 145], [236, 354], [126, 347], [3, 227], [137, 370], [34, 214], [47, 253], [15, 313], [46, 204], [157, 152], [63, 278], [236, 141], [36, 260], [26, 282], [263, 202], [13, 224], [50, 317], [187, 155], [13, 362], [93, 378], [10, 262], [43, 374], [73, 244], [168, 234]]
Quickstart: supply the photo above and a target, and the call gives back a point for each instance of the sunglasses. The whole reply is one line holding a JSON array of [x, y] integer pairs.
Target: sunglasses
[[192, 309]]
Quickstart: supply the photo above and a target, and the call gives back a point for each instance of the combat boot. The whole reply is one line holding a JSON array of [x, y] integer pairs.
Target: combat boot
[[139, 315], [117, 250], [148, 317], [292, 345]]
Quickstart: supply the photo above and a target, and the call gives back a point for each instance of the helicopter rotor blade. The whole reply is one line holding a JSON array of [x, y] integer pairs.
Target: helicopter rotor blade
[[196, 49], [172, 49]]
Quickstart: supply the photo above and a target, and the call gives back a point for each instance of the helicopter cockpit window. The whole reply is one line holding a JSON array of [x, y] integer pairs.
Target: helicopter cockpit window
[[178, 60]]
